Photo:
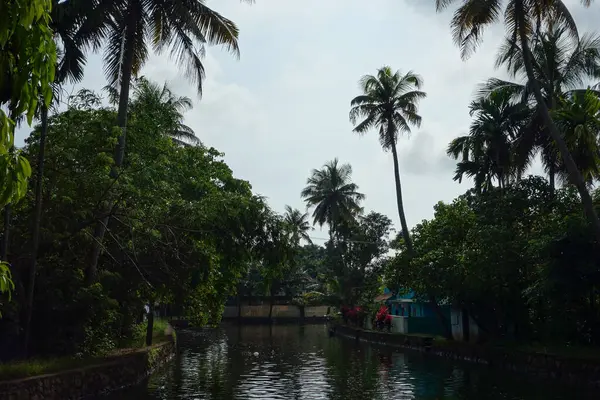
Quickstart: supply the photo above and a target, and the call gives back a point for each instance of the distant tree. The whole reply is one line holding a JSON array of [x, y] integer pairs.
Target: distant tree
[[297, 223], [332, 194]]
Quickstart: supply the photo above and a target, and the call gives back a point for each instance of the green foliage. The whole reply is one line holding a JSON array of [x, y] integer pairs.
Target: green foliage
[[332, 194], [183, 227], [27, 60], [356, 258], [516, 260]]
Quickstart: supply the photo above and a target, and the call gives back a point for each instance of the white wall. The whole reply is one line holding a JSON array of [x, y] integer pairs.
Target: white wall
[[399, 324], [279, 311], [457, 327]]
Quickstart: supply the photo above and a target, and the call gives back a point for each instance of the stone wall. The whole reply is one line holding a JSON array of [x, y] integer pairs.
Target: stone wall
[[279, 311], [569, 370], [116, 373]]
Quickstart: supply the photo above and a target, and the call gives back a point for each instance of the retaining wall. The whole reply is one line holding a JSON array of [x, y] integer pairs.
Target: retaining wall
[[574, 371], [122, 371], [279, 311]]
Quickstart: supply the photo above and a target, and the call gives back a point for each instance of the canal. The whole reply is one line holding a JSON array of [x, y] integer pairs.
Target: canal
[[302, 362]]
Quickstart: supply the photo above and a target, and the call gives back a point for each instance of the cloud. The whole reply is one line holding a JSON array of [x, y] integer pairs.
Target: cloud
[[424, 156]]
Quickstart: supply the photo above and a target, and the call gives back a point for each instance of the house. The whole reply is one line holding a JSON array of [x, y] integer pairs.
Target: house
[[413, 315]]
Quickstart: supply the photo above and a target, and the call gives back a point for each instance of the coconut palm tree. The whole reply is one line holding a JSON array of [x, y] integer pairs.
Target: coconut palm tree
[[562, 66], [153, 98], [522, 18], [332, 194], [183, 27], [297, 223], [578, 116], [388, 103], [486, 153]]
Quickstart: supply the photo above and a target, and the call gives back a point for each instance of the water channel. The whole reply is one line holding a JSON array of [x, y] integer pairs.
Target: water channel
[[302, 362]]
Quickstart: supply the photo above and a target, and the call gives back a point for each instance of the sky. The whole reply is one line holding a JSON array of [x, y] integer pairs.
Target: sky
[[281, 110]]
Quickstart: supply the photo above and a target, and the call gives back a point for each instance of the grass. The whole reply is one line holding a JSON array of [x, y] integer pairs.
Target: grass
[[34, 367]]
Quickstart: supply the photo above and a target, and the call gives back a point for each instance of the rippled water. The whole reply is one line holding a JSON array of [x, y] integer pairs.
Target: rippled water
[[302, 362]]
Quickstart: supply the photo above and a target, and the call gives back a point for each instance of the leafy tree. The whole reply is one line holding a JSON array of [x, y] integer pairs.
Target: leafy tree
[[133, 26], [67, 18], [27, 58], [389, 103], [184, 229], [355, 260], [522, 18], [333, 195]]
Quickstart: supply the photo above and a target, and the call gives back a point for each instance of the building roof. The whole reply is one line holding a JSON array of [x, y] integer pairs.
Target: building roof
[[383, 297]]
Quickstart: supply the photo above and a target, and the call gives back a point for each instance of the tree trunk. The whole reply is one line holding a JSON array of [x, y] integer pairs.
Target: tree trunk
[[4, 250], [150, 326], [271, 300], [575, 175], [466, 329], [37, 220], [552, 179], [445, 321], [405, 232], [126, 71]]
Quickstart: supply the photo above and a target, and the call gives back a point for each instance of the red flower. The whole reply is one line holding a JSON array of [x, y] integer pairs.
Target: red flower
[[382, 314]]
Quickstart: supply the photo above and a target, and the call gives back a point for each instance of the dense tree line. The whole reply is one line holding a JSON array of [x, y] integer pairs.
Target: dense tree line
[[519, 254]]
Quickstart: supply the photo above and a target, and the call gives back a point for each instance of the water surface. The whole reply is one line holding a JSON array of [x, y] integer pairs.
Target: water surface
[[303, 363]]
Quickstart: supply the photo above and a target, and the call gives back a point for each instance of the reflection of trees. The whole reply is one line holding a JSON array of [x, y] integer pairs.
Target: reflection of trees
[[303, 363], [352, 374]]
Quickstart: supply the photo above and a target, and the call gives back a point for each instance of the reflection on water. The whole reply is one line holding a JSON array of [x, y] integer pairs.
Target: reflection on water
[[302, 362]]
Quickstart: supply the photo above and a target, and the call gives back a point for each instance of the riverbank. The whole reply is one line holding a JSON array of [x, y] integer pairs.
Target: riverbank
[[568, 369], [96, 378]]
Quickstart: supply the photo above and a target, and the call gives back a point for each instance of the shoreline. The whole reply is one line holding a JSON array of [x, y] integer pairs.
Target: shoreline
[[569, 370], [117, 372]]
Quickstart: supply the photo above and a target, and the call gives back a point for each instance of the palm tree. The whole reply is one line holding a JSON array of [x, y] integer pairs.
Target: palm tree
[[184, 27], [389, 104], [561, 67], [297, 223], [333, 195], [153, 98], [522, 18], [578, 116], [486, 152]]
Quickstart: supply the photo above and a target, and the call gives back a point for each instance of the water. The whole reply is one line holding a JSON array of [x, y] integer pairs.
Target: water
[[303, 363]]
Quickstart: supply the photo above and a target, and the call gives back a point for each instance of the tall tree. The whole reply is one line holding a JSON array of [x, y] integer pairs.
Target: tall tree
[[389, 104], [486, 153], [562, 66], [134, 26], [522, 18], [333, 195]]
